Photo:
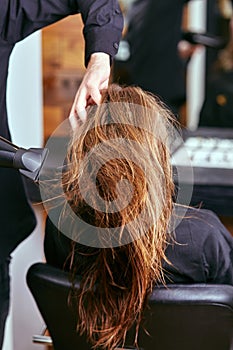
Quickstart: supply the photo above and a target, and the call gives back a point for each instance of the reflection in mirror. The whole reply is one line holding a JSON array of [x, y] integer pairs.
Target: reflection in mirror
[[163, 50]]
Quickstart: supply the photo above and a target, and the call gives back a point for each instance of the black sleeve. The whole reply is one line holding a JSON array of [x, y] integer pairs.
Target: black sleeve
[[218, 253], [103, 24], [57, 247], [20, 18], [203, 252], [102, 20]]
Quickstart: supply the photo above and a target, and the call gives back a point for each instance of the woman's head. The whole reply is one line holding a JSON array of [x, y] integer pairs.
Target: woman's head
[[119, 182], [119, 164]]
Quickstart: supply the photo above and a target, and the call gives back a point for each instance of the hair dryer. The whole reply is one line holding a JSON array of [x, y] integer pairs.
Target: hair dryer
[[206, 39], [28, 161]]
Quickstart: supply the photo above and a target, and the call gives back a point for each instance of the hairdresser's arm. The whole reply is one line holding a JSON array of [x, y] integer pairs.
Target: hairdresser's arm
[[20, 18], [103, 24], [102, 21], [95, 79]]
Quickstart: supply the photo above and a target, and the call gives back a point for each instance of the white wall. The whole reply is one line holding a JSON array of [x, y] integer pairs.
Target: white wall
[[24, 101], [196, 67], [24, 98]]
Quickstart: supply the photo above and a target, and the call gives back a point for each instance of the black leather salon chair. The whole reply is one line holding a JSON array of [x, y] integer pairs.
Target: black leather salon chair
[[179, 317]]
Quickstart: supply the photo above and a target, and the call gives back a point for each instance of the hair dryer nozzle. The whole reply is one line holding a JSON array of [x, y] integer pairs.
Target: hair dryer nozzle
[[28, 161], [33, 160]]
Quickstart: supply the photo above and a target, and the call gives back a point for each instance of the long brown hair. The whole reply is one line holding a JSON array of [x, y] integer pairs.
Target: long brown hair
[[115, 286]]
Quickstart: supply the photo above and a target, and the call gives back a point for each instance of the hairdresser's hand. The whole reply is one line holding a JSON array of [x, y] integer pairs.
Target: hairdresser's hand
[[95, 79]]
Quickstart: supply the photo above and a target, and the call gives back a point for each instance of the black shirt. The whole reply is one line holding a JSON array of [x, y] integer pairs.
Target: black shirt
[[203, 252], [19, 18], [153, 34]]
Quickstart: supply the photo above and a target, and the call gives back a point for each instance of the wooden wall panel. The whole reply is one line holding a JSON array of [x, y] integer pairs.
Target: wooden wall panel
[[63, 69]]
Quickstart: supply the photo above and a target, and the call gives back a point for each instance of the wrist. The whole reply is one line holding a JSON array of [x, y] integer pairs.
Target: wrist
[[102, 57]]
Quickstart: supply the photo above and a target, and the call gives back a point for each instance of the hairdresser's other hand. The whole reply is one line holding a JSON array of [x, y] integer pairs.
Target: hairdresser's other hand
[[95, 79]]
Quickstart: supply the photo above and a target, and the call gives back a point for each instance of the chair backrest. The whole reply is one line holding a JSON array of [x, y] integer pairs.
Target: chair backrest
[[178, 317]]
